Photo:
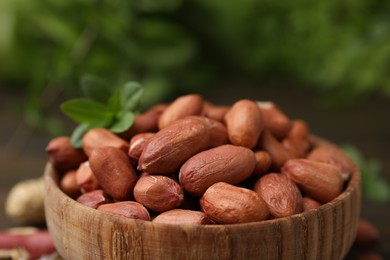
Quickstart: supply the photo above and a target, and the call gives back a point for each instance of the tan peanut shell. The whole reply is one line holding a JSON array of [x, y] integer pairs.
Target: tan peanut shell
[[319, 180], [113, 171], [173, 145], [227, 163], [158, 193], [183, 106], [282, 195], [244, 123], [228, 204]]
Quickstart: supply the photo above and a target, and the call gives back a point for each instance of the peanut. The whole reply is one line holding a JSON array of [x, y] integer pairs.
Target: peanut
[[228, 163], [138, 143], [173, 145], [182, 107], [282, 195], [69, 185], [113, 171], [128, 209], [85, 178], [101, 137], [244, 123], [275, 120], [183, 216], [319, 180], [158, 193], [63, 155], [94, 199], [228, 204]]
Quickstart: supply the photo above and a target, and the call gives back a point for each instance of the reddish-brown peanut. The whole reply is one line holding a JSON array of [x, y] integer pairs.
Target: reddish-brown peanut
[[275, 149], [214, 112], [113, 171], [101, 137], [128, 209], [275, 120], [310, 203], [85, 178], [244, 123], [183, 216], [158, 193], [138, 143], [173, 145], [94, 199], [319, 180], [282, 195], [297, 140], [228, 204], [227, 163], [63, 155], [263, 163], [183, 106], [68, 184]]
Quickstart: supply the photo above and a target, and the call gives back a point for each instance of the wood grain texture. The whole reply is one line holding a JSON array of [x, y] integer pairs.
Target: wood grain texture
[[80, 232]]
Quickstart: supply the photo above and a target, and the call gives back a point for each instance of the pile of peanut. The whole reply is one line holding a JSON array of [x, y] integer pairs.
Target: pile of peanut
[[193, 162]]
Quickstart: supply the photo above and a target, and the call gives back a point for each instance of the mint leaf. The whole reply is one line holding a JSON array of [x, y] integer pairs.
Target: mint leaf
[[131, 93], [114, 102], [84, 110], [77, 135], [95, 88], [124, 122]]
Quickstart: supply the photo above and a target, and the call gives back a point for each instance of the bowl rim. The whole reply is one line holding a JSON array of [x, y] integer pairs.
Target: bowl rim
[[51, 177]]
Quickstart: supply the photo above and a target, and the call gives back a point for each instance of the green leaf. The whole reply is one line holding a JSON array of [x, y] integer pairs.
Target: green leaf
[[124, 122], [114, 102], [95, 88], [131, 94], [77, 135], [84, 110]]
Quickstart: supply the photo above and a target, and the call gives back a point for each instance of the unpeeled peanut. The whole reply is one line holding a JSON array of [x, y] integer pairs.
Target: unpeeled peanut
[[63, 155], [101, 137], [85, 178], [183, 216], [94, 199], [138, 143], [128, 209], [173, 145], [158, 193], [244, 123], [113, 170], [282, 195], [227, 163], [69, 186], [275, 120], [228, 204], [319, 180], [180, 108]]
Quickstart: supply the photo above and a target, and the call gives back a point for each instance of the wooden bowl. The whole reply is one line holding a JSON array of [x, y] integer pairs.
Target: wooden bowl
[[80, 232]]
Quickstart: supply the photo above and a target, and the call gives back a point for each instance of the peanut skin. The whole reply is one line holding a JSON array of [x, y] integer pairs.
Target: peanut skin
[[158, 193], [228, 204], [244, 123], [113, 171], [63, 155], [281, 195], [101, 137], [173, 145], [128, 209], [319, 180], [183, 216], [227, 163]]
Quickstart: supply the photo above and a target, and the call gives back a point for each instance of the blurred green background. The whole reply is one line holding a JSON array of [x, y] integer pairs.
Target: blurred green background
[[340, 49], [325, 61]]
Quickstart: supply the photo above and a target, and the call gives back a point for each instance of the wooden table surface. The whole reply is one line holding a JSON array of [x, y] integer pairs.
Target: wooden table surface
[[365, 125]]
